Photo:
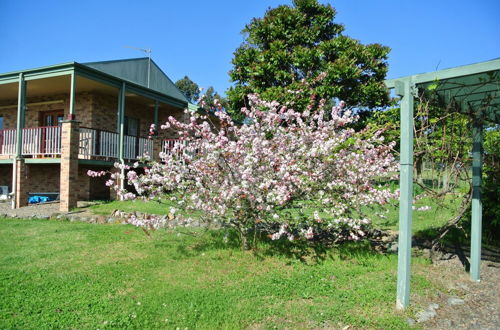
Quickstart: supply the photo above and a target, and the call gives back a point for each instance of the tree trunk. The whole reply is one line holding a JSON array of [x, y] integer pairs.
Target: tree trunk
[[419, 165], [245, 244], [445, 180]]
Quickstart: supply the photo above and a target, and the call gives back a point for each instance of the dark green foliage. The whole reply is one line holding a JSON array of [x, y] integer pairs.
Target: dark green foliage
[[189, 88], [491, 185], [292, 47], [490, 197], [209, 104]]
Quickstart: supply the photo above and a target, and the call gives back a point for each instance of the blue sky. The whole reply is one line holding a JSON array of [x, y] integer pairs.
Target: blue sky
[[197, 38]]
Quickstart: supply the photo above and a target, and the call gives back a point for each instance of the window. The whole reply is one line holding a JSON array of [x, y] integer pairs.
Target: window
[[131, 126], [51, 118], [1, 122]]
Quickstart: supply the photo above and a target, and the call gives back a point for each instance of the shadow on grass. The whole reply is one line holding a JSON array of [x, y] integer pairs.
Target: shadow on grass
[[308, 252]]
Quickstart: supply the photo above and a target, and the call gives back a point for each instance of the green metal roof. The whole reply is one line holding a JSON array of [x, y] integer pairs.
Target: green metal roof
[[136, 70], [471, 89], [131, 71]]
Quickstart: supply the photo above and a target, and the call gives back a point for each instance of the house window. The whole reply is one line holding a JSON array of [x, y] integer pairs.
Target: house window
[[52, 118], [1, 122], [131, 126]]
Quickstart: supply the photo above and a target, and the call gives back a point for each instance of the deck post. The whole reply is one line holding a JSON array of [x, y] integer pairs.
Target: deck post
[[477, 208], [21, 109], [19, 168], [72, 96], [405, 89], [121, 131]]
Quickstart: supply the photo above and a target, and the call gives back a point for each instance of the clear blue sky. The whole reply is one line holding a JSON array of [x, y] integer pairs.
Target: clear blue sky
[[197, 38]]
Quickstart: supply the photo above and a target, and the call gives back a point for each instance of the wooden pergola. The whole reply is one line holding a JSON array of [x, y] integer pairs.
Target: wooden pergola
[[471, 89]]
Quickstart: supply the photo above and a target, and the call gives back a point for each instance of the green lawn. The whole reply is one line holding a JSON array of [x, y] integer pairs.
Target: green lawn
[[441, 211], [150, 207], [58, 274]]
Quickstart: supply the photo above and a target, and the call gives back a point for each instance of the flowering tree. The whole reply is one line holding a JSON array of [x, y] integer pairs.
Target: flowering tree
[[250, 176]]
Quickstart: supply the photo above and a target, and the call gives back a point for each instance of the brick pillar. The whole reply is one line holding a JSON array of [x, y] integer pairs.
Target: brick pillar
[[157, 145], [21, 188], [69, 165]]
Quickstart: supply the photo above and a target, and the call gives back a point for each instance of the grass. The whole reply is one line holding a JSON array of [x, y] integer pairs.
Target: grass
[[150, 207], [441, 211], [423, 221], [76, 275]]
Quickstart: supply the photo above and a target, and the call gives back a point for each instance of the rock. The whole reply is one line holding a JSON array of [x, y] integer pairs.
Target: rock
[[61, 216], [101, 219], [426, 253], [393, 247], [433, 307], [426, 315], [45, 217], [452, 301], [450, 324], [410, 321]]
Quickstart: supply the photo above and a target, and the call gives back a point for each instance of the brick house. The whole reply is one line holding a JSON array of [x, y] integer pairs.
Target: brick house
[[57, 122]]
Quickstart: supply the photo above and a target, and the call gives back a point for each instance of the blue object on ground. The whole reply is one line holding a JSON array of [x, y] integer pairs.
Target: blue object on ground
[[38, 199]]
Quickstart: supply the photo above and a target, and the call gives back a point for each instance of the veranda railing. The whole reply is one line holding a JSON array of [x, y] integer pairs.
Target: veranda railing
[[106, 144], [8, 142]]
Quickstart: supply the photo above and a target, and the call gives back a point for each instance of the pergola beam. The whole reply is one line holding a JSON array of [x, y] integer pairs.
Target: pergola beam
[[480, 84], [449, 73]]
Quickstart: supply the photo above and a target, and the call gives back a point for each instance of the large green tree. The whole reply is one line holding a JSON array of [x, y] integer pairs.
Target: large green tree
[[189, 88], [212, 100], [298, 53]]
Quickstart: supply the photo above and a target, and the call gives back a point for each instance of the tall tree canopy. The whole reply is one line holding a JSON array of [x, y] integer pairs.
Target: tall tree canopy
[[211, 100], [298, 53], [189, 88]]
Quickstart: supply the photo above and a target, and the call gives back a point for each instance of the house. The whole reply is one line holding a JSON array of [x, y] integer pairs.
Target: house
[[58, 122]]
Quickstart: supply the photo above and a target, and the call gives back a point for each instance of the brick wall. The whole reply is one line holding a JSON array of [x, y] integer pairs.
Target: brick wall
[[42, 177], [6, 175], [46, 178], [94, 110], [92, 188], [163, 114], [83, 104], [105, 112]]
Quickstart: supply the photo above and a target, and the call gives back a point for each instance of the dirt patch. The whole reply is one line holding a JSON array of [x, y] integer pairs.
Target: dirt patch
[[43, 210], [464, 304]]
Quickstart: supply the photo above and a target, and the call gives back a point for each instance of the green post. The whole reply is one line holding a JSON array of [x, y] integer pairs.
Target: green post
[[21, 108], [405, 89], [121, 130], [477, 208], [72, 96], [121, 120]]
